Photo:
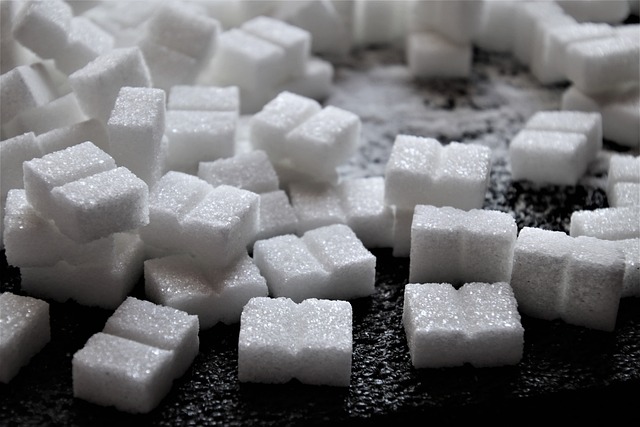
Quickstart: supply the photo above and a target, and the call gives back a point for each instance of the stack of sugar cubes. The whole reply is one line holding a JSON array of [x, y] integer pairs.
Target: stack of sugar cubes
[[132, 363], [72, 229], [265, 56], [24, 331]]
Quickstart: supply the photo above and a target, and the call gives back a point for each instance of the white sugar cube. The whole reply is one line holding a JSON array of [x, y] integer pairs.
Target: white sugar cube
[[578, 280], [295, 41], [242, 59], [168, 67], [281, 340], [85, 42], [598, 65], [101, 204], [352, 268], [92, 130], [214, 296], [540, 59], [525, 19], [290, 268], [251, 171], [624, 194], [196, 136], [173, 196], [105, 283], [380, 22], [24, 331], [43, 27], [325, 345], [477, 324], [43, 174], [434, 325], [631, 282], [221, 226], [587, 123], [158, 326], [33, 241], [367, 214], [98, 83], [606, 223], [456, 246], [549, 157], [496, 30], [270, 126], [623, 180], [316, 205], [324, 140], [136, 127], [316, 81], [422, 171], [277, 216], [431, 55], [289, 174], [23, 88], [267, 345], [184, 30], [207, 98], [114, 371]]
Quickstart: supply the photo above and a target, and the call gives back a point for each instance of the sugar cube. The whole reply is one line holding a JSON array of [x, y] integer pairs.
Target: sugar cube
[[23, 88], [92, 130], [252, 171], [168, 67], [316, 205], [85, 42], [115, 371], [24, 331], [608, 11], [606, 223], [207, 98], [43, 27], [316, 81], [456, 246], [431, 55], [277, 216], [13, 152]]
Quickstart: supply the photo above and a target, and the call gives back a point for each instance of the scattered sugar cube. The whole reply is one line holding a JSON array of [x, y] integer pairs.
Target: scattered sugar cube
[[43, 27], [496, 30], [352, 268], [168, 67], [316, 205], [380, 22], [366, 213], [598, 65], [316, 82], [43, 174], [173, 196], [85, 42], [98, 83], [23, 88], [184, 30], [324, 140], [576, 279], [114, 371], [525, 19], [179, 281], [624, 194], [136, 127], [204, 98], [549, 157], [587, 123], [477, 324], [456, 246], [431, 55], [158, 326], [422, 171], [277, 216], [606, 223], [221, 226], [33, 241], [13, 152], [198, 136], [101, 204], [295, 41], [539, 61], [290, 268], [270, 126], [623, 169], [609, 11], [24, 331], [104, 283], [281, 340], [251, 171]]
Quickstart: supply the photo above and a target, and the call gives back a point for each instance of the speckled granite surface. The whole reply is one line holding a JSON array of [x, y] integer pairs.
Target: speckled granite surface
[[567, 373]]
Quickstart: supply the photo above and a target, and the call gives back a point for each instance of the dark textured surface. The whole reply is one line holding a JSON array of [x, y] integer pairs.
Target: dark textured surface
[[567, 373]]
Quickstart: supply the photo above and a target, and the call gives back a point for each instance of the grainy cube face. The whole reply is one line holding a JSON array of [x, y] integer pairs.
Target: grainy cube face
[[316, 205], [204, 98], [281, 340], [252, 171], [606, 223], [24, 331]]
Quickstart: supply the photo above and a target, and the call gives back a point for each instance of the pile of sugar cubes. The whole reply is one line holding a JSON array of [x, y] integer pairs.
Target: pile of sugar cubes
[[186, 144]]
